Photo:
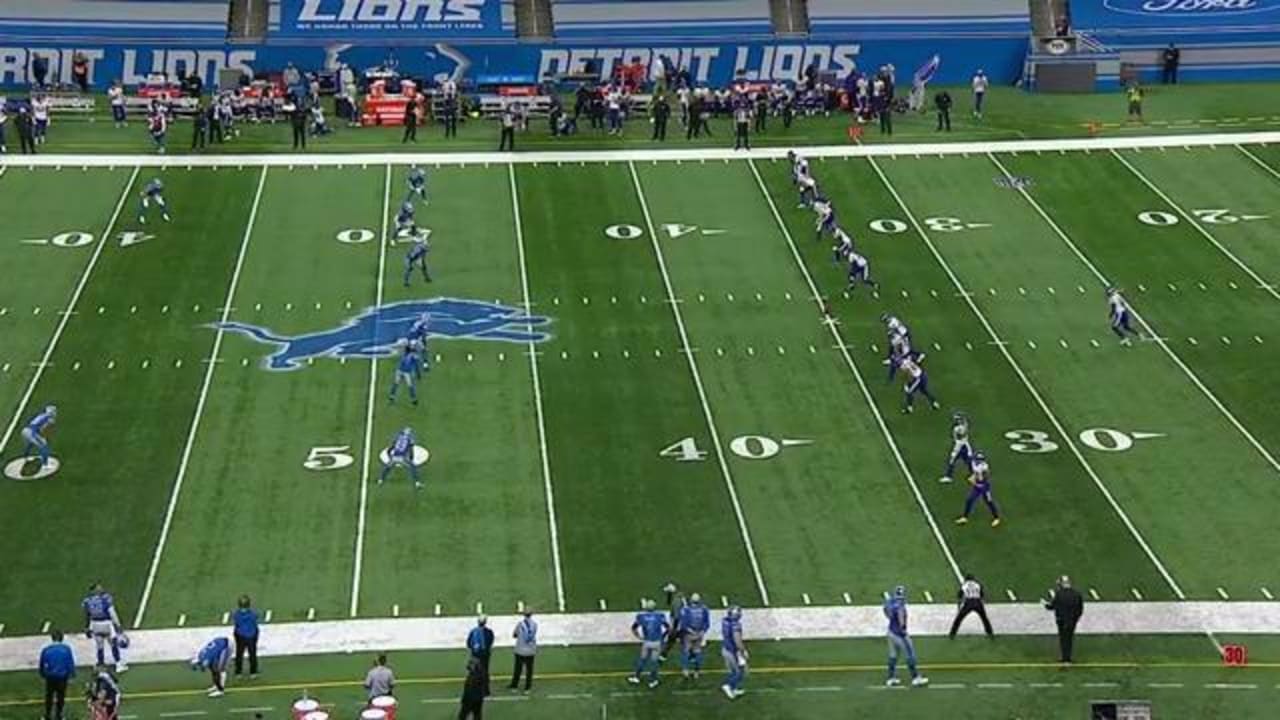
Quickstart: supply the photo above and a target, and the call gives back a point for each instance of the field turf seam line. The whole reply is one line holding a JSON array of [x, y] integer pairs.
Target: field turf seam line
[[693, 154], [1259, 161], [548, 489], [1156, 337], [210, 367], [1035, 394], [69, 312], [357, 565], [843, 347], [702, 393], [1270, 288]]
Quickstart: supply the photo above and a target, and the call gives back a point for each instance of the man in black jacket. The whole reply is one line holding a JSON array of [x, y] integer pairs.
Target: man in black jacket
[[26, 130], [661, 113], [1169, 60], [297, 111], [1067, 605], [410, 121], [942, 101], [473, 691]]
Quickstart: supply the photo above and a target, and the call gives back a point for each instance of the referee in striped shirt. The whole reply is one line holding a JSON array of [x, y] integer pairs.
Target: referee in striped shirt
[[970, 596]]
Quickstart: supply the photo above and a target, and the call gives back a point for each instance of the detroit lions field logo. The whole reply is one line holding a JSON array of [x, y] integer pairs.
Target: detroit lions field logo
[[377, 331]]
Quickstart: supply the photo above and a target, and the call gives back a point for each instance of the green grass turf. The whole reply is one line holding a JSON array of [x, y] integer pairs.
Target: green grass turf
[[1011, 114], [834, 516], [971, 678]]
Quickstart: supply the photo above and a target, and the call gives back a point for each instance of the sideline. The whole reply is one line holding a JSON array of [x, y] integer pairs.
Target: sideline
[[612, 628], [1228, 140]]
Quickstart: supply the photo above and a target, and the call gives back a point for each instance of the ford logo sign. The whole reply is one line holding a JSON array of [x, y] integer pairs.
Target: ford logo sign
[[1183, 8]]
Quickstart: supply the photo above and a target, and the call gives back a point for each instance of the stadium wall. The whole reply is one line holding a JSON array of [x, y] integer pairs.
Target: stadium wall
[[1220, 39], [711, 63]]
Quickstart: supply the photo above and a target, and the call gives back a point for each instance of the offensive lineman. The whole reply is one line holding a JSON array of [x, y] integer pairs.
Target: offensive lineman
[[826, 223], [961, 448], [917, 383], [843, 247], [154, 191], [859, 272], [408, 370]]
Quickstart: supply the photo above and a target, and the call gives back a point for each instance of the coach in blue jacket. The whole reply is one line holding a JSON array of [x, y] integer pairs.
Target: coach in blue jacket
[[57, 667], [245, 619]]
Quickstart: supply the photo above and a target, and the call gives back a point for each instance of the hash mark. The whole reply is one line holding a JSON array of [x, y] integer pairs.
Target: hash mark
[[438, 609], [1063, 343], [1094, 343], [1009, 594], [395, 610], [1192, 341], [804, 597], [182, 619], [1031, 344], [603, 604], [1136, 594], [1052, 291], [1267, 594], [311, 613], [1094, 594], [1223, 594], [45, 627], [847, 600], [928, 596], [266, 617], [226, 618]]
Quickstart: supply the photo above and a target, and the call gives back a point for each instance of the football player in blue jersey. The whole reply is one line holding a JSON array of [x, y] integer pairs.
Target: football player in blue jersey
[[695, 620], [405, 223], [859, 272], [917, 384], [421, 328], [417, 184], [400, 453], [1121, 315], [980, 488], [102, 625], [734, 652], [417, 255], [213, 657], [895, 611], [650, 628], [34, 434], [152, 193], [961, 448], [408, 370]]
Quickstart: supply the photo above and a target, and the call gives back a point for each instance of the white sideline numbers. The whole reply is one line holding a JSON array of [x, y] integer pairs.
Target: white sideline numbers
[[747, 447], [754, 447], [685, 450], [1030, 441], [1212, 216], [355, 236], [888, 226], [623, 232], [71, 239], [1101, 439], [893, 226], [329, 457], [17, 469]]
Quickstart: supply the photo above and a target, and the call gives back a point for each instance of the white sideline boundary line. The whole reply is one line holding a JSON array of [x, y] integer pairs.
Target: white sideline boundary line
[[614, 628], [357, 566], [692, 154], [857, 375], [1031, 388], [69, 312], [1259, 161], [537, 396], [1271, 290], [702, 393], [200, 402]]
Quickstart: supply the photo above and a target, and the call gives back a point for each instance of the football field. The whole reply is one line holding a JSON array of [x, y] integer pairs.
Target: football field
[[632, 381]]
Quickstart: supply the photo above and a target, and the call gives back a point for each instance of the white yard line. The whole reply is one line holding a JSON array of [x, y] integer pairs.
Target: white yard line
[[68, 312], [1271, 289], [210, 366], [1260, 162], [1151, 331], [692, 154], [357, 566], [857, 376], [614, 628], [702, 394], [1026, 382], [537, 396]]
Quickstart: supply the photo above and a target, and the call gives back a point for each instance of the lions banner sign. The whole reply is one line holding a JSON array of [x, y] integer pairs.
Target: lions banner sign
[[357, 19]]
